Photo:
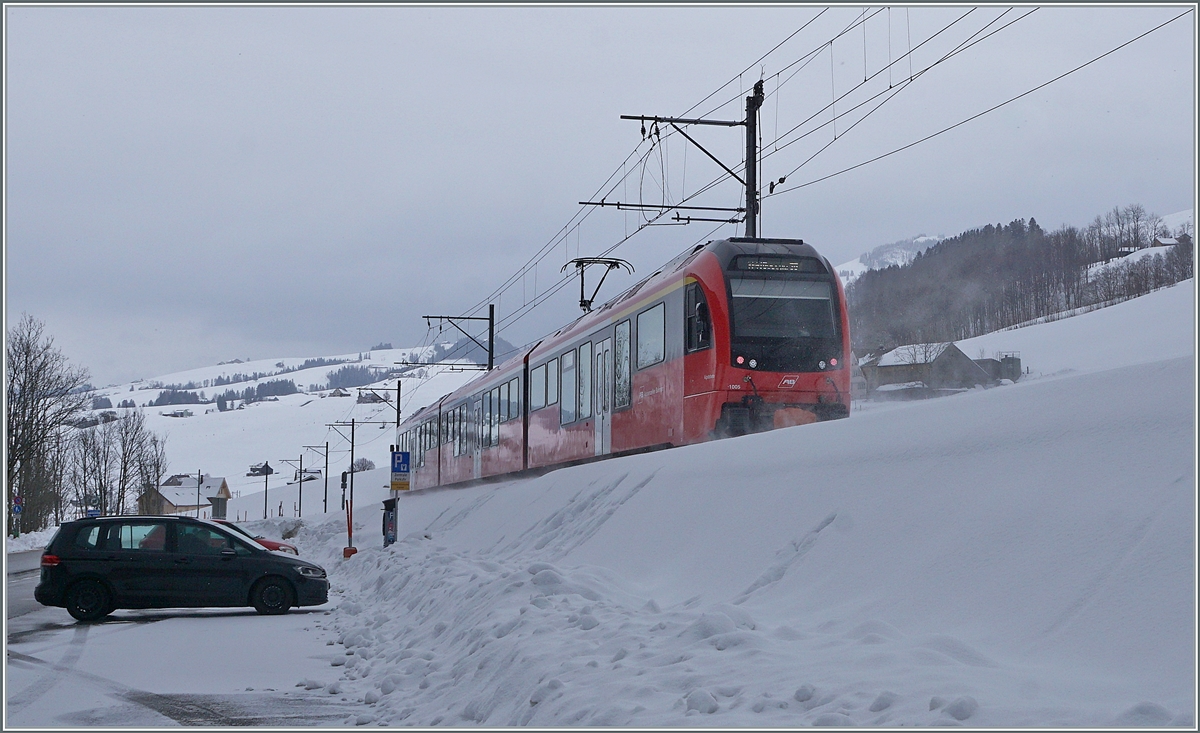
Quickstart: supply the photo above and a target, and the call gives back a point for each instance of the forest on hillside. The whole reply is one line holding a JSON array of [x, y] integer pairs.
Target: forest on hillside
[[1000, 275]]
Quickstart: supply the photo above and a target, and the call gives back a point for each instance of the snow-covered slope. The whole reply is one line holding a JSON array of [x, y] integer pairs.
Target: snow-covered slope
[[885, 255], [1179, 219], [227, 443], [1019, 556]]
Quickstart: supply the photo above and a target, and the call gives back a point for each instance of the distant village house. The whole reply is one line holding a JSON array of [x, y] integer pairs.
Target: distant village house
[[925, 370], [178, 495]]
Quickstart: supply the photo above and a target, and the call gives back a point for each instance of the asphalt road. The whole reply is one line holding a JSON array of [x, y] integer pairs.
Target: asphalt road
[[20, 562], [23, 575], [50, 683]]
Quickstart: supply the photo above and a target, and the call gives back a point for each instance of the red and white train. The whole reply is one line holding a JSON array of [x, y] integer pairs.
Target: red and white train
[[734, 336]]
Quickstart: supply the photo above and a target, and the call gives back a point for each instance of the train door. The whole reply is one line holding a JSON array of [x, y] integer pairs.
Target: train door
[[477, 438], [604, 395]]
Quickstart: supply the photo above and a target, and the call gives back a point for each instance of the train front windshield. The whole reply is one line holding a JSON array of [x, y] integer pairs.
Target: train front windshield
[[783, 324]]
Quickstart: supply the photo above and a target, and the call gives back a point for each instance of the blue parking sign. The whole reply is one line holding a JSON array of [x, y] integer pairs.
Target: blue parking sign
[[400, 470]]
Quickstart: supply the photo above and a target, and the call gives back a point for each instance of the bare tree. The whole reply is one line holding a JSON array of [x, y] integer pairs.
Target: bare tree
[[43, 392], [151, 463], [131, 436], [919, 353]]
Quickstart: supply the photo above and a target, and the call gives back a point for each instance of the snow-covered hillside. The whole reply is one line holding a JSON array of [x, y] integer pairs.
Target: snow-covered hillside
[[1018, 556], [886, 255], [227, 443], [903, 251]]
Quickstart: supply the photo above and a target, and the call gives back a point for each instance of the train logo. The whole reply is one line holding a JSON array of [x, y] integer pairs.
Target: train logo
[[789, 381]]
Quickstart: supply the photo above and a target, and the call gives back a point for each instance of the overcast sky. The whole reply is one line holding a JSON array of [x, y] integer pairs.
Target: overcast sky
[[188, 185]]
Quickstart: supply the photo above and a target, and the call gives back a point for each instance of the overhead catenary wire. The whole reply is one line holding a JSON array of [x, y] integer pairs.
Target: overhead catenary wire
[[890, 93], [584, 212], [984, 112], [642, 159]]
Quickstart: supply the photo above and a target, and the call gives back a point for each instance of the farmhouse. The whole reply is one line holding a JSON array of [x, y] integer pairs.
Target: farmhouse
[[934, 366], [178, 495]]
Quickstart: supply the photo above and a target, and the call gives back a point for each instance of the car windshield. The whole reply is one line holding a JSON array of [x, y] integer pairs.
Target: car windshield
[[241, 534]]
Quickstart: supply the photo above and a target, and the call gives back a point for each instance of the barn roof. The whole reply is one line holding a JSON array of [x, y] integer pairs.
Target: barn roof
[[913, 354]]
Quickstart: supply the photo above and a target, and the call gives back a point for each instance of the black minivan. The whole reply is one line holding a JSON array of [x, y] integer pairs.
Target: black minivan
[[94, 566]]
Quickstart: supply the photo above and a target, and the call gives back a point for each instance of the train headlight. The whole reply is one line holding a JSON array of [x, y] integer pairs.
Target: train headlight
[[741, 360], [833, 362], [753, 363], [821, 363]]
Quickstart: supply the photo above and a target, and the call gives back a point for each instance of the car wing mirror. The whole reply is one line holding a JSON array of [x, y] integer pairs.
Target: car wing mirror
[[228, 552]]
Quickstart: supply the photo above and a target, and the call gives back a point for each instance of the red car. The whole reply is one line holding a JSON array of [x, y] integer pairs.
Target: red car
[[269, 544]]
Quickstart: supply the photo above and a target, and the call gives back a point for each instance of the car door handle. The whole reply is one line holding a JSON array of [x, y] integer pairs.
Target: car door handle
[[182, 560]]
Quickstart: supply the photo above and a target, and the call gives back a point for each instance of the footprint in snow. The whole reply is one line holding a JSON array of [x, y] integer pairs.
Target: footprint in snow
[[1145, 714], [702, 701]]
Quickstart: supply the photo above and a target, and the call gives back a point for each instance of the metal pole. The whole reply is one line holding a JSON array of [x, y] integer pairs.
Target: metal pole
[[266, 476], [753, 102], [199, 478], [325, 505], [301, 487], [350, 507], [491, 335]]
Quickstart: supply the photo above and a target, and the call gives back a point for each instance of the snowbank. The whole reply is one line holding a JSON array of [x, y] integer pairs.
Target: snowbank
[[1010, 557]]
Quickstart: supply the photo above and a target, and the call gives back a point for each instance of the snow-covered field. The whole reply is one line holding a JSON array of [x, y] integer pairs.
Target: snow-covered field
[[1018, 556], [1021, 556]]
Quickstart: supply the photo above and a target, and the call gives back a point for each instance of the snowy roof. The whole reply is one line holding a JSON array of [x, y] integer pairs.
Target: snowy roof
[[913, 354], [901, 386], [184, 494]]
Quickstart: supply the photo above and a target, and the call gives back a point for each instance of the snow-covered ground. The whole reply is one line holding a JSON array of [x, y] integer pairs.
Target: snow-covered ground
[[1018, 556]]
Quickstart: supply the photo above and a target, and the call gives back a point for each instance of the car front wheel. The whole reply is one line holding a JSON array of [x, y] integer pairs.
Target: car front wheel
[[88, 600], [271, 596]]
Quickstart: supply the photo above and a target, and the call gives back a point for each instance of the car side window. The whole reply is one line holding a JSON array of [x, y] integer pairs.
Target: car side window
[[88, 538], [193, 540], [141, 536]]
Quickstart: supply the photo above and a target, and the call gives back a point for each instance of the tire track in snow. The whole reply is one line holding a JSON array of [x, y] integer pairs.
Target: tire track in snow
[[191, 709], [46, 682], [784, 558], [578, 520], [1132, 542]]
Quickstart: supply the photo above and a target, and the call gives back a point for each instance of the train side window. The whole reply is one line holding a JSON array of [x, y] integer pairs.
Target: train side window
[[486, 433], [464, 431], [621, 365], [495, 416], [504, 402], [552, 382], [514, 398], [585, 381], [651, 336], [537, 388], [464, 428], [567, 408], [494, 436], [477, 423], [699, 323]]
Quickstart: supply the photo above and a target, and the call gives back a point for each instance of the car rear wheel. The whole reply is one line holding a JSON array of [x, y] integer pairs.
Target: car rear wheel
[[272, 596], [88, 600]]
